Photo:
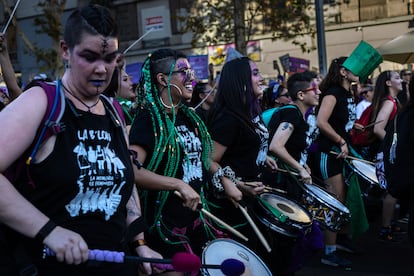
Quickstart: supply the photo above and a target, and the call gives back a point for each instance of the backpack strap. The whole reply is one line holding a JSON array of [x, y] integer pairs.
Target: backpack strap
[[51, 121], [116, 114], [268, 113]]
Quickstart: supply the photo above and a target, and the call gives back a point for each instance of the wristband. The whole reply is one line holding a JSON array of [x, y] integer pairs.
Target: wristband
[[137, 226], [45, 231], [343, 144]]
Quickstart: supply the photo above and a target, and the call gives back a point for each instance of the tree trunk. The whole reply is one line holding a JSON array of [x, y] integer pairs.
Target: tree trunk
[[239, 26]]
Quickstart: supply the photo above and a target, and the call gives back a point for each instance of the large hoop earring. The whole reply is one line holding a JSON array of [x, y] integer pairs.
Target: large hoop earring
[[169, 90]]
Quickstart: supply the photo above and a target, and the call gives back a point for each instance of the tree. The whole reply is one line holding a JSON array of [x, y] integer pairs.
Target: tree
[[50, 23], [223, 21]]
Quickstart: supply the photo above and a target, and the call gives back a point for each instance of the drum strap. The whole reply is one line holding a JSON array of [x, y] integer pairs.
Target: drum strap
[[274, 211]]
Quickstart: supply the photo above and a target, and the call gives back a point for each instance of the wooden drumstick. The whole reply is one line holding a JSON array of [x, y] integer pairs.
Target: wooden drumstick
[[267, 188], [216, 219], [287, 171], [371, 124], [355, 158], [253, 225]]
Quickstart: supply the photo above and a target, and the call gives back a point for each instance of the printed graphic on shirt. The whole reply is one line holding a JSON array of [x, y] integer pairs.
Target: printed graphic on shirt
[[351, 114], [263, 134], [192, 164], [311, 135], [101, 178]]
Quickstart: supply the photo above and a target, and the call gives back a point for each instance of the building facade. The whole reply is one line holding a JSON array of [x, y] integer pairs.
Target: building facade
[[346, 23]]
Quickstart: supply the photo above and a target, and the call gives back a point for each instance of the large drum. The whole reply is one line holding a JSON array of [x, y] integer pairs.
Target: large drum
[[217, 251], [325, 208], [282, 215], [366, 172]]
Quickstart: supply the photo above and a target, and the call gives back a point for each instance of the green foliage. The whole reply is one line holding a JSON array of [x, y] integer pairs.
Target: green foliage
[[213, 22]]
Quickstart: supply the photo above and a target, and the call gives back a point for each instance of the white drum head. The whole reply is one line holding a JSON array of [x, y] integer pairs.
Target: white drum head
[[287, 207], [326, 197], [219, 250], [366, 170]]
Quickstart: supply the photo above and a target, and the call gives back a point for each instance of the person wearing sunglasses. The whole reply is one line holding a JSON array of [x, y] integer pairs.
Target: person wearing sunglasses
[[203, 98], [174, 153], [275, 95], [290, 136], [366, 95]]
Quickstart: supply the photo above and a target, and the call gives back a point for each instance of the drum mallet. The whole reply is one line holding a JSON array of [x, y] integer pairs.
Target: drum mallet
[[180, 262], [216, 219], [243, 208]]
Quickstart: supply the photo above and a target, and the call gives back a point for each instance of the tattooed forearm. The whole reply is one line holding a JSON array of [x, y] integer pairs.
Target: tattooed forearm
[[133, 206]]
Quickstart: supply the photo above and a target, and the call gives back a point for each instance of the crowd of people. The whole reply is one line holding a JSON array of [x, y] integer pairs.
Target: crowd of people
[[134, 170]]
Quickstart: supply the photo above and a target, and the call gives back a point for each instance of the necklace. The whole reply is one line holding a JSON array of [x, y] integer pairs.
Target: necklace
[[89, 107]]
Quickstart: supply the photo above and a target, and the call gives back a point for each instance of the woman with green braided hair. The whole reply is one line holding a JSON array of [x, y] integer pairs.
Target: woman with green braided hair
[[175, 149]]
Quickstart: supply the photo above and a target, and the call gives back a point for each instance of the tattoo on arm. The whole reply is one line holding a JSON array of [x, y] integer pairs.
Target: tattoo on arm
[[133, 205], [287, 126]]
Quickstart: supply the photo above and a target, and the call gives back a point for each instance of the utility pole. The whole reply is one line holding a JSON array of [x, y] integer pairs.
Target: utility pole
[[320, 31]]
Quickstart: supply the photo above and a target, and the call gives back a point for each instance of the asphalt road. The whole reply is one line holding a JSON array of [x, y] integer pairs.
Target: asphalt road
[[376, 258]]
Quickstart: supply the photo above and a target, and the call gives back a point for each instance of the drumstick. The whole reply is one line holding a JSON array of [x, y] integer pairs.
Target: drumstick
[[11, 17], [216, 219], [136, 41], [262, 239], [371, 124], [355, 158], [287, 171], [267, 188]]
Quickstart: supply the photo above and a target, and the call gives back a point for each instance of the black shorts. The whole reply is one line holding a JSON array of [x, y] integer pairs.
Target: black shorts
[[325, 165]]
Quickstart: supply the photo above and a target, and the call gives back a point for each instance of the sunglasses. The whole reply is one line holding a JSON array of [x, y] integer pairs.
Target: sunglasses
[[284, 95], [188, 74]]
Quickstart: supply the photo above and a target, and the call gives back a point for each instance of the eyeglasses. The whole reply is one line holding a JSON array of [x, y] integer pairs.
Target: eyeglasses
[[284, 95], [188, 74], [314, 88]]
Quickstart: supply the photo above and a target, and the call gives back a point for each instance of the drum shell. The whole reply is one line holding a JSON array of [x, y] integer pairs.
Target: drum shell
[[218, 250], [290, 227], [323, 209]]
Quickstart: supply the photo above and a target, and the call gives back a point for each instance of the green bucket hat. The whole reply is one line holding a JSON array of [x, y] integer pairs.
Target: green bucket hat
[[363, 61]]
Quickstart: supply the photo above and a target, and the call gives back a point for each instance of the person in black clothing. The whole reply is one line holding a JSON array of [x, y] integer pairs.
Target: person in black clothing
[[290, 138], [83, 196], [202, 99], [335, 118], [175, 150], [240, 143]]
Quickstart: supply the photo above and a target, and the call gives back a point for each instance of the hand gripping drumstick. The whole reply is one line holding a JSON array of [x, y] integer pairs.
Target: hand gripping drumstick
[[243, 208], [180, 262], [354, 158], [267, 188], [216, 219]]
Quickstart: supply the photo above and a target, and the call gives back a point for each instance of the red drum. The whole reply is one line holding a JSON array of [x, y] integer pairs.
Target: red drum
[[325, 208], [287, 217]]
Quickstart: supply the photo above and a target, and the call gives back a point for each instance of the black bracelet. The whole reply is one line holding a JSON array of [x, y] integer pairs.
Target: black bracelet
[[137, 226], [343, 144], [45, 231]]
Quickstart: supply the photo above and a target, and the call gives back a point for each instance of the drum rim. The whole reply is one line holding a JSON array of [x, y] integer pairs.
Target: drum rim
[[361, 173], [346, 211], [305, 211]]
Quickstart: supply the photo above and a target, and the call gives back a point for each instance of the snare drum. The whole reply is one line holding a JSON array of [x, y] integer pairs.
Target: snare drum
[[292, 220], [365, 170], [369, 184], [217, 251], [325, 208]]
